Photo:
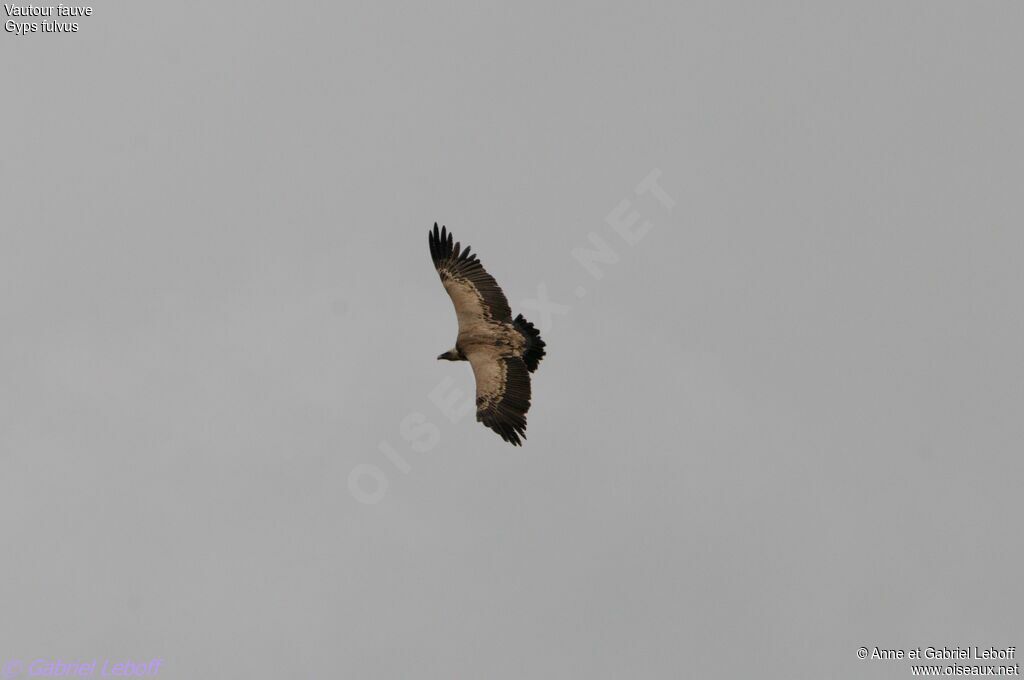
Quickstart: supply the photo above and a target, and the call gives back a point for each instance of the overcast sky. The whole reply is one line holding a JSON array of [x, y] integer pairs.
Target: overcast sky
[[780, 417]]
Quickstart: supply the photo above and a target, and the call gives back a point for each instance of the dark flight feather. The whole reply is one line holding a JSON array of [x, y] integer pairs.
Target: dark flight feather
[[450, 263], [506, 415]]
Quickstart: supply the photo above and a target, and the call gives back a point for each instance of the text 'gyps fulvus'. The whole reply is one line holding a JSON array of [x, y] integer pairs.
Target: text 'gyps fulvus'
[[502, 351]]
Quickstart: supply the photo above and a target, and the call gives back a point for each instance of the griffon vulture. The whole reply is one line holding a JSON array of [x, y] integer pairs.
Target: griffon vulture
[[502, 351]]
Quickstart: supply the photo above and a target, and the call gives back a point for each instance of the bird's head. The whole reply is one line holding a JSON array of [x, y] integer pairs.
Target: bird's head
[[450, 355]]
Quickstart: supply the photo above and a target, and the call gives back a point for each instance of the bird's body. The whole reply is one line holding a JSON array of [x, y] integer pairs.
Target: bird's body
[[500, 335], [502, 351]]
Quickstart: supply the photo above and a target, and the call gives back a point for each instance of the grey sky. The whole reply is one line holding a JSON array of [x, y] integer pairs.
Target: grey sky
[[784, 424]]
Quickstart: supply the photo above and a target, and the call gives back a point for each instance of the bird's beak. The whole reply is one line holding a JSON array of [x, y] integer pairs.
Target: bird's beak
[[440, 356]]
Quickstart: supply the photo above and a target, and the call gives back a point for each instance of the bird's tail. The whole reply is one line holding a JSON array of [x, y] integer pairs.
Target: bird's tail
[[534, 350]]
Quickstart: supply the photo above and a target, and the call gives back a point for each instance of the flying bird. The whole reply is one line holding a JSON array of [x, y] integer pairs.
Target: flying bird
[[501, 350]]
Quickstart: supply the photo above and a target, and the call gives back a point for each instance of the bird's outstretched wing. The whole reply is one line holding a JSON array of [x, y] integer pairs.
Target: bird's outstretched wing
[[475, 293], [502, 393]]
